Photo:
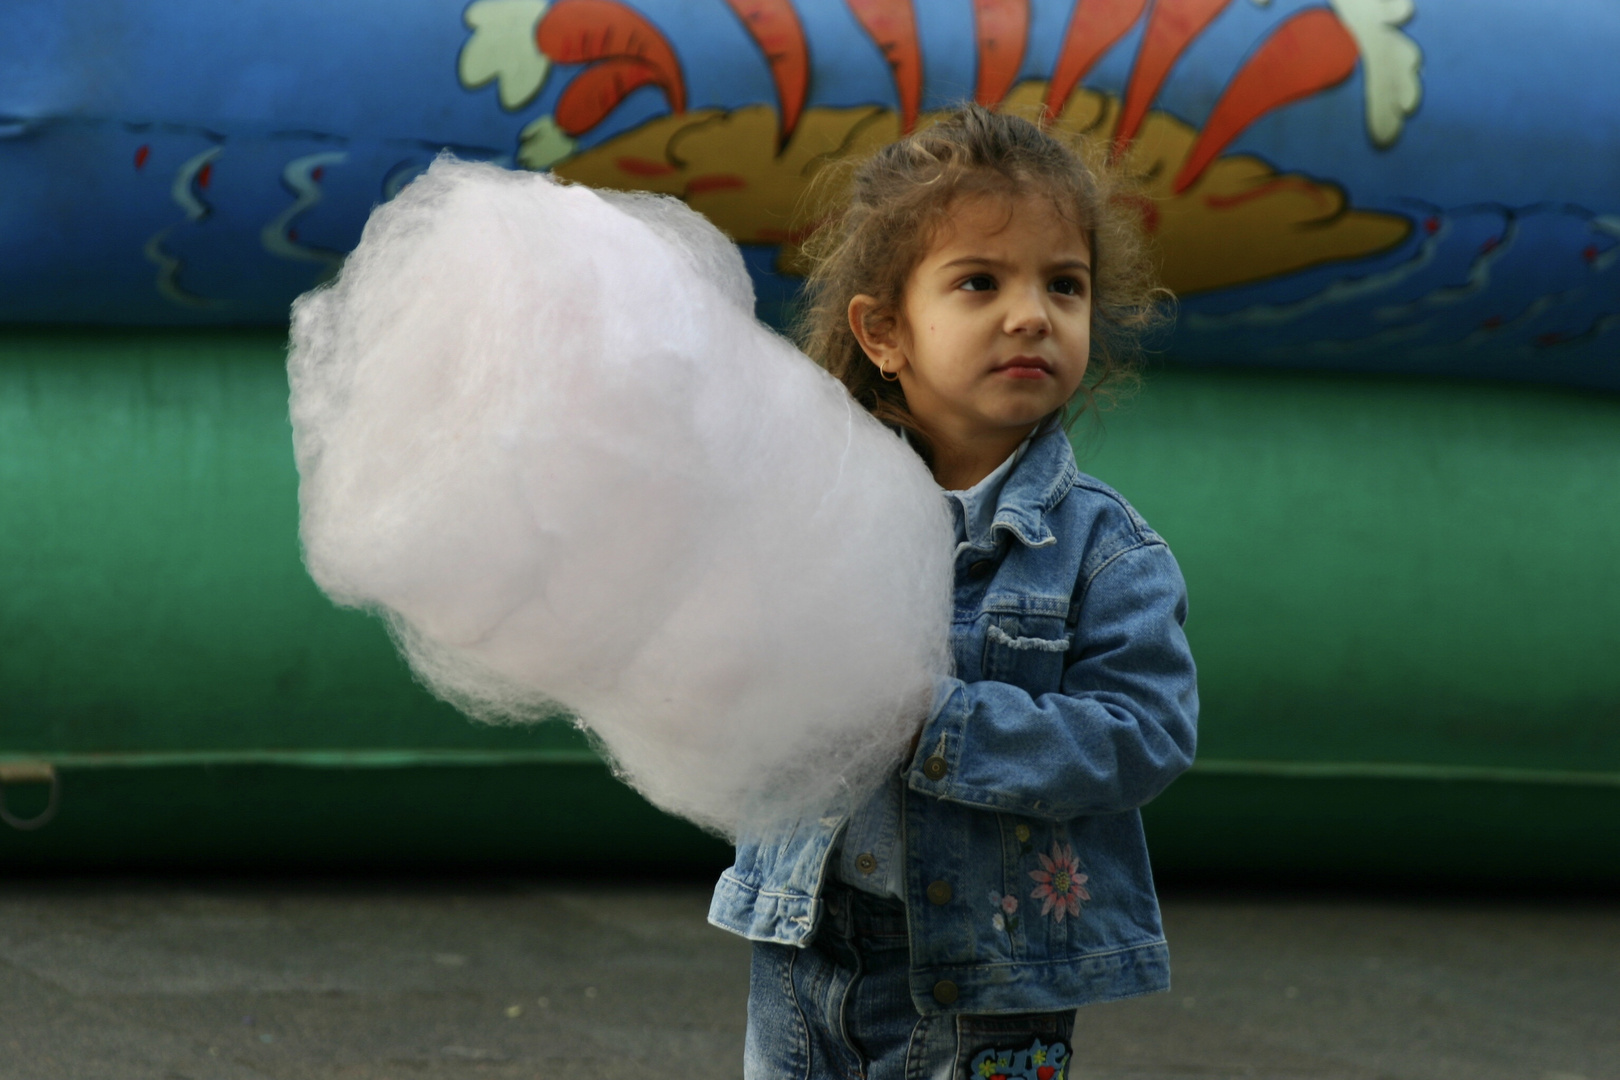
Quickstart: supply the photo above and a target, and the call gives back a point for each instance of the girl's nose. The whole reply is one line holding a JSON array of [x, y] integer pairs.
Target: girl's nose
[[1027, 315]]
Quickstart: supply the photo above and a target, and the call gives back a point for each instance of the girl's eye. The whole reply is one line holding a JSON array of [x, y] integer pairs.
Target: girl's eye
[[1068, 286], [979, 283]]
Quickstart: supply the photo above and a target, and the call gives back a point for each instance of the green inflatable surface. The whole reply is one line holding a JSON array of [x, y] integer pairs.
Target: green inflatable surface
[[1404, 600]]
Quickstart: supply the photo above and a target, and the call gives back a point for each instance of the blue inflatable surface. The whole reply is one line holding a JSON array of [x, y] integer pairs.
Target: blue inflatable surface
[[1424, 186]]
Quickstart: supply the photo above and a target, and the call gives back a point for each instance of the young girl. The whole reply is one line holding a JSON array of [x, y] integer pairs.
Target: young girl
[[979, 282]]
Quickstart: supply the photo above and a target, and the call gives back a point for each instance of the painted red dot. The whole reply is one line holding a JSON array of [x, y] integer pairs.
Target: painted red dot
[[316, 173], [205, 174], [1145, 209], [292, 234], [142, 152], [701, 185], [1492, 323], [636, 166], [1591, 253], [1490, 245], [1550, 339], [1431, 225]]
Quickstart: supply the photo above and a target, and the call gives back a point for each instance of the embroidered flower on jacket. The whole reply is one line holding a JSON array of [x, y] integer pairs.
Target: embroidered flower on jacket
[[1007, 907], [1060, 884]]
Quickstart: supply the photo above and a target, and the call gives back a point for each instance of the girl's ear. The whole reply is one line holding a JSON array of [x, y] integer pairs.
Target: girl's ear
[[877, 334]]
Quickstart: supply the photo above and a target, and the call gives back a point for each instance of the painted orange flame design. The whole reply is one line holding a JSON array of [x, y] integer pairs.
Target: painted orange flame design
[[1173, 26], [624, 51], [774, 25], [1093, 29], [1308, 53], [893, 25], [1002, 29], [1220, 219]]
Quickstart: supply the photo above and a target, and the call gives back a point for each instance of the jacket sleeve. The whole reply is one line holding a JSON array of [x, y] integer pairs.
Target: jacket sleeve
[[1123, 726]]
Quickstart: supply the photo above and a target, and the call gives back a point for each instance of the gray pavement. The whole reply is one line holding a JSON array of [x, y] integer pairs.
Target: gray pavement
[[121, 979]]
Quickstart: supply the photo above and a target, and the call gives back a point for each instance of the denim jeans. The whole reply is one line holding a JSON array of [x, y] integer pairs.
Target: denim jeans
[[840, 1009]]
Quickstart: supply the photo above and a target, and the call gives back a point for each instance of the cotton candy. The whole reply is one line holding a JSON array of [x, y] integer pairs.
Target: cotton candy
[[540, 432]]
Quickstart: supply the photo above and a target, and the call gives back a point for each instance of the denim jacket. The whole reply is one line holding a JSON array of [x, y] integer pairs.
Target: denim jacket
[[1074, 702]]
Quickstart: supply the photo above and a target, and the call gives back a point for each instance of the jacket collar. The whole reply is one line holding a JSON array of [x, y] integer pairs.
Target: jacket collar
[[1040, 480]]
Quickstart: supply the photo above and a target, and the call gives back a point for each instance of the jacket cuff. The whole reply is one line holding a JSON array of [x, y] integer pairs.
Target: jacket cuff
[[939, 750], [779, 916]]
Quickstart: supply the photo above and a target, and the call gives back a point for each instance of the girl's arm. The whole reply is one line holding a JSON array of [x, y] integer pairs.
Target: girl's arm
[[1123, 726]]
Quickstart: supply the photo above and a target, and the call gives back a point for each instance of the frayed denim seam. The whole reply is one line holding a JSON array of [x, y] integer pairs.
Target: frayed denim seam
[[1027, 644]]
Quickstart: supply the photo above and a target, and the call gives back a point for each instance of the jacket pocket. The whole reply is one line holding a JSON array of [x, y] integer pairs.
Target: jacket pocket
[[1028, 651]]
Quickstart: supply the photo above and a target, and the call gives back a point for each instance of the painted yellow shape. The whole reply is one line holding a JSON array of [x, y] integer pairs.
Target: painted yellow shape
[[1241, 222], [725, 164]]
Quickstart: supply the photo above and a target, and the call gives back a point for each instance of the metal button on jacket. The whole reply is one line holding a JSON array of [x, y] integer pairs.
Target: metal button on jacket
[[980, 569], [945, 992], [866, 862], [935, 768], [939, 893]]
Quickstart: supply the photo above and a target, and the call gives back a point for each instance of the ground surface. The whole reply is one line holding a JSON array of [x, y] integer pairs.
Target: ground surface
[[120, 979]]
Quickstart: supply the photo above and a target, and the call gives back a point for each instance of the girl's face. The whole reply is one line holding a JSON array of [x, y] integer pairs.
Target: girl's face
[[995, 326]]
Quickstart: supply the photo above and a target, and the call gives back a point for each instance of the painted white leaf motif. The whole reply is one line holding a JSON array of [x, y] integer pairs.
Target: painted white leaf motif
[[503, 47], [1391, 63], [542, 144]]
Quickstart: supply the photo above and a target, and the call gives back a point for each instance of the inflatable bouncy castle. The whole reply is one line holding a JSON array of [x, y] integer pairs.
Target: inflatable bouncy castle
[[1383, 435]]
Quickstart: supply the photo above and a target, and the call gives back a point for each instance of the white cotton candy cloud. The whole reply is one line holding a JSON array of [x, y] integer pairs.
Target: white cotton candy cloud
[[539, 430]]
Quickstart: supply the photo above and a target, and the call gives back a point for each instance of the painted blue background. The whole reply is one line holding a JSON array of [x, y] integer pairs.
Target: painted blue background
[[1510, 168]]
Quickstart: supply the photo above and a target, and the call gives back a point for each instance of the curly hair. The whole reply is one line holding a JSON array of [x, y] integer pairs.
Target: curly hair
[[898, 199]]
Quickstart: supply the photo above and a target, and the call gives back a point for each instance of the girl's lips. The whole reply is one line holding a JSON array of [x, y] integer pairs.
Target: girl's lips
[[1025, 367]]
